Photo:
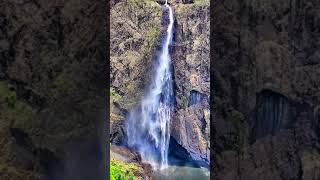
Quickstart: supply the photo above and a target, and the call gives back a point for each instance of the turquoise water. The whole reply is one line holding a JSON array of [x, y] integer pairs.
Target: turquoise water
[[182, 173]]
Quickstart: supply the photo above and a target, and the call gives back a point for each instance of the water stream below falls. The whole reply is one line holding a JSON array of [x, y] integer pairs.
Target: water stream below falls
[[182, 173], [148, 126]]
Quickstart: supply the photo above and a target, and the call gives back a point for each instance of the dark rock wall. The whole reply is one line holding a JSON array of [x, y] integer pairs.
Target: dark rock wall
[[52, 89], [274, 46]]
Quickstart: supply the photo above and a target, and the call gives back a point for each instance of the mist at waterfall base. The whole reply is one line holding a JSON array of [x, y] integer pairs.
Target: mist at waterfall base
[[148, 124]]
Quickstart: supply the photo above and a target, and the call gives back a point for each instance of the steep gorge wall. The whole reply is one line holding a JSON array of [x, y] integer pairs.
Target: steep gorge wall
[[191, 58], [135, 32], [266, 46]]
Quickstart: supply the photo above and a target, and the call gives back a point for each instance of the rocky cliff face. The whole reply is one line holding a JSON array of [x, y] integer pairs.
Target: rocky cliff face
[[266, 86], [136, 31], [191, 58], [51, 90]]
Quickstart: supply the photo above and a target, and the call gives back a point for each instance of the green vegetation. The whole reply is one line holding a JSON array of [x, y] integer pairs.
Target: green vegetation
[[151, 40], [184, 102], [152, 10], [7, 94], [16, 112], [138, 7], [122, 171], [140, 3], [201, 2], [237, 116], [64, 84], [9, 171], [240, 125], [4, 89], [137, 45], [132, 94], [11, 99], [199, 41], [115, 97]]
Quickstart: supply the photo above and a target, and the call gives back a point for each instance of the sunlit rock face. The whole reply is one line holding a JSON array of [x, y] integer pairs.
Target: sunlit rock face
[[191, 58], [135, 37]]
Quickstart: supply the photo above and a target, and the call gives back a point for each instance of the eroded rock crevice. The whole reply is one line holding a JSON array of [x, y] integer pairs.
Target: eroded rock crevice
[[196, 97], [179, 155], [272, 113]]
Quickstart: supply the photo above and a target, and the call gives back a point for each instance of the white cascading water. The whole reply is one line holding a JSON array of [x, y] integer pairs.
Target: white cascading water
[[148, 125]]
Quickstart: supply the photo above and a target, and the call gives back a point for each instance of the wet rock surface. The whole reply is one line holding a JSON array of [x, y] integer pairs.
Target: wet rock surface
[[259, 46]]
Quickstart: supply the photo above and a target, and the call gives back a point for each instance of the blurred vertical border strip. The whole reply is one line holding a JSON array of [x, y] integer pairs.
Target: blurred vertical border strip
[[105, 47], [212, 107]]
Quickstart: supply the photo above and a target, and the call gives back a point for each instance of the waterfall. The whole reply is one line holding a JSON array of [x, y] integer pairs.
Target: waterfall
[[148, 125]]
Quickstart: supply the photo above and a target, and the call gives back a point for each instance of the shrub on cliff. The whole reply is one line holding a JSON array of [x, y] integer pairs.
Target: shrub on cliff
[[11, 99], [121, 171]]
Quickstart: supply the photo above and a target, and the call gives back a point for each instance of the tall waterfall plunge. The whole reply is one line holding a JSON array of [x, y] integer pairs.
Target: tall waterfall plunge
[[148, 125]]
